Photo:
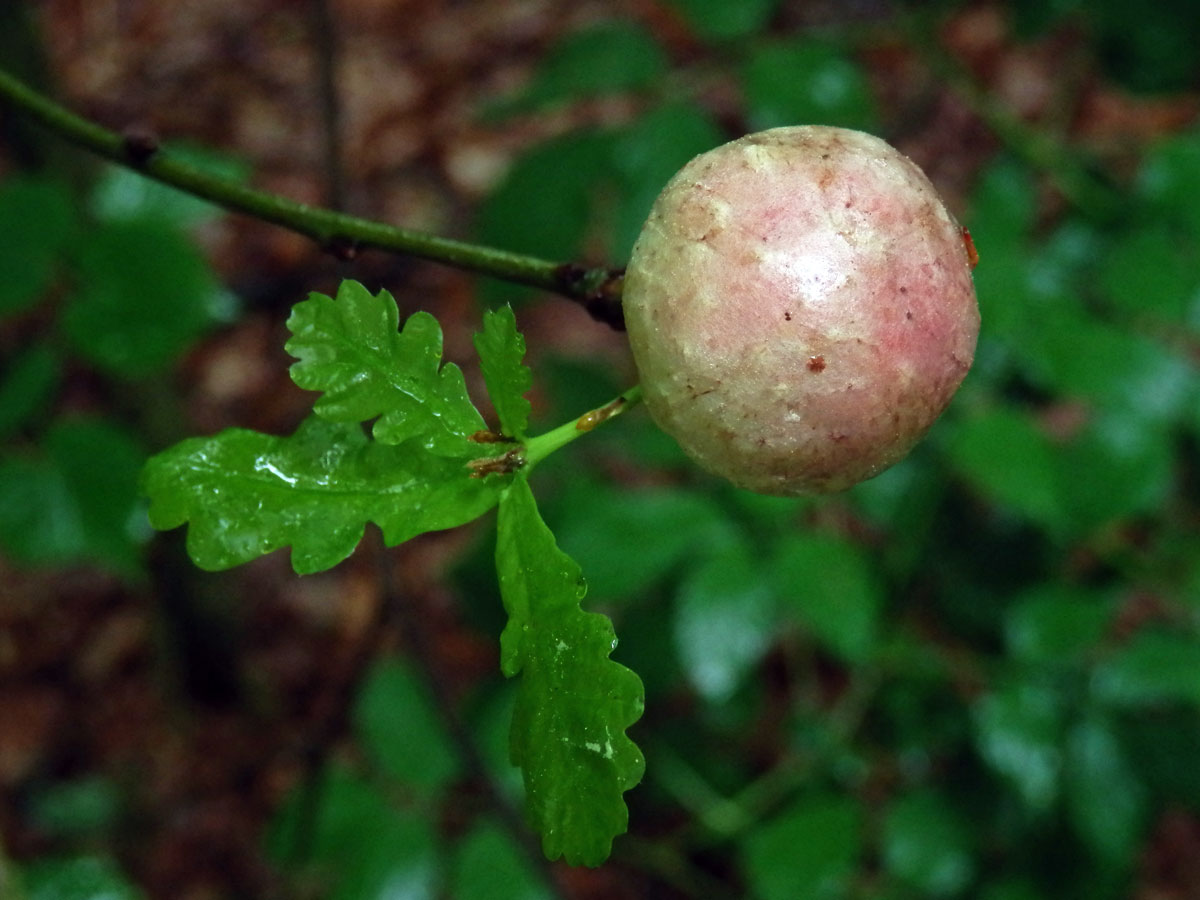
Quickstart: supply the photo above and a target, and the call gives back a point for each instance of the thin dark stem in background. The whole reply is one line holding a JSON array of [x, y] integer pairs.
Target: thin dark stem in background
[[330, 716], [326, 46], [597, 289], [1084, 185], [417, 637]]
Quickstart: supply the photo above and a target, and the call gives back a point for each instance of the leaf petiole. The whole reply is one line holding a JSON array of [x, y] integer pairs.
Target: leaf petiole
[[539, 447]]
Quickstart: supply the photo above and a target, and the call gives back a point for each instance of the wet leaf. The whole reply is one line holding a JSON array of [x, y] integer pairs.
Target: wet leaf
[[245, 494], [501, 349], [573, 702], [350, 348]]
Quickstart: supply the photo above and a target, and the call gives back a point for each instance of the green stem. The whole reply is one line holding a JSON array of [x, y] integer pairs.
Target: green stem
[[539, 447], [335, 231]]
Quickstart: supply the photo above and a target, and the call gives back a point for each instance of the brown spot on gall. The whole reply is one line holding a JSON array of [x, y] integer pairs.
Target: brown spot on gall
[[816, 364], [972, 253]]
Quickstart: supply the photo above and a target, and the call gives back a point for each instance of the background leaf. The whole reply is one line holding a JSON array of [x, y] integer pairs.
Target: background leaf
[[1019, 731], [574, 703], [543, 204], [144, 295], [626, 547], [400, 729], [828, 585], [1056, 624], [1105, 796], [489, 866], [1006, 456], [605, 58], [646, 155], [37, 219], [1155, 667], [398, 860], [723, 620], [927, 845], [27, 384], [809, 850], [716, 20], [78, 878], [77, 500], [122, 195], [805, 82]]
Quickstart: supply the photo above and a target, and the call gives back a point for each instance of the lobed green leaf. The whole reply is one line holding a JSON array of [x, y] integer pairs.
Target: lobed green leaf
[[350, 348], [573, 703], [501, 349], [246, 494]]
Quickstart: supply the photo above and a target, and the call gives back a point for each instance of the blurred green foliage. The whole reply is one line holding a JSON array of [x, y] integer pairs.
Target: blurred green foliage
[[952, 629], [977, 675], [110, 281]]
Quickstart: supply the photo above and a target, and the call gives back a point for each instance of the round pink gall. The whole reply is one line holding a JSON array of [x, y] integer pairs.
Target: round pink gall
[[800, 308]]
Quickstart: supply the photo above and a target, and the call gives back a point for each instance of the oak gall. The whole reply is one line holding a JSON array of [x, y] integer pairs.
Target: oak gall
[[800, 308]]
